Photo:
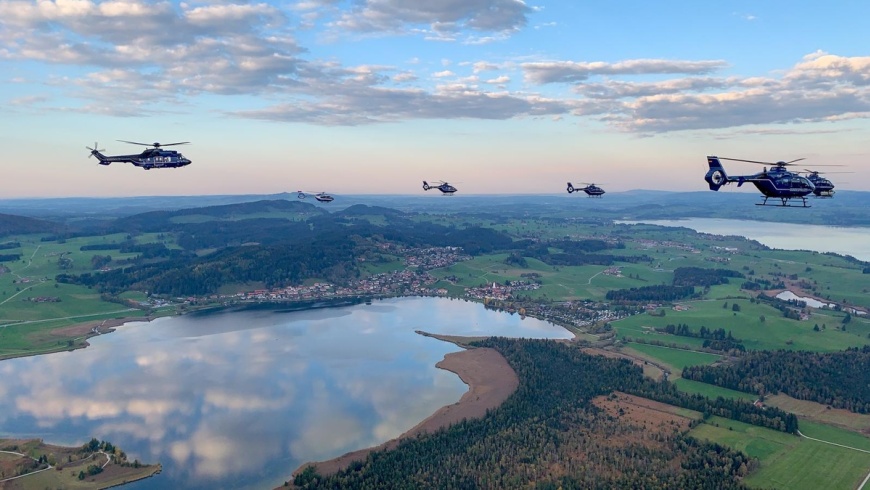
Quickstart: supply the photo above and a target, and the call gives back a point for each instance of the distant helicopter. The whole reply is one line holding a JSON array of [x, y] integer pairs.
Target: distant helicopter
[[824, 187], [777, 182], [320, 196], [444, 187], [591, 190], [148, 159]]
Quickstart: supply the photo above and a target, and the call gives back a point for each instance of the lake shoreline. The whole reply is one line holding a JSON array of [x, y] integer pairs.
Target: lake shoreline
[[490, 381], [79, 331]]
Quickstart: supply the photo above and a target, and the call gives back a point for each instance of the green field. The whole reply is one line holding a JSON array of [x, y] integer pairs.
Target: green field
[[711, 391], [26, 323], [677, 359], [775, 332], [787, 461]]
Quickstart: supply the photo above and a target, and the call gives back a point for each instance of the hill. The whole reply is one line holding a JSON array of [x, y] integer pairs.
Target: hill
[[22, 225]]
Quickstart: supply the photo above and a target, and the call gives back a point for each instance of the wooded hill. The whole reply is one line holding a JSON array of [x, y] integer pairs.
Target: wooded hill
[[273, 251], [22, 225]]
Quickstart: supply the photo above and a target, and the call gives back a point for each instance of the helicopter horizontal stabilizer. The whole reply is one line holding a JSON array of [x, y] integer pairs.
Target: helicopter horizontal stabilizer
[[716, 176]]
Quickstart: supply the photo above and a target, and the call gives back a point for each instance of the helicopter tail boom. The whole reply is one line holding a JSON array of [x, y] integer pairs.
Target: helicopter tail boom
[[716, 176]]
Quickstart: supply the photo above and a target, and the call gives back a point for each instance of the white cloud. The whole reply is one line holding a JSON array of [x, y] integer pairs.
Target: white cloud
[[442, 16], [572, 71], [499, 80]]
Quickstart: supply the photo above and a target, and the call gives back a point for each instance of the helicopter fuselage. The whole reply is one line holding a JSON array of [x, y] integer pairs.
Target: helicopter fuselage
[[444, 187], [148, 159], [591, 190], [824, 187]]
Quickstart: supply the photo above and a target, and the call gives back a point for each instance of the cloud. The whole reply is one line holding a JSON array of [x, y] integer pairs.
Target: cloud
[[443, 17], [499, 80], [572, 71], [177, 53], [366, 105], [821, 87]]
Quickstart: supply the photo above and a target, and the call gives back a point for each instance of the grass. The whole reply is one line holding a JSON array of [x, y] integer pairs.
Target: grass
[[775, 332], [711, 391], [788, 461], [818, 412], [677, 359]]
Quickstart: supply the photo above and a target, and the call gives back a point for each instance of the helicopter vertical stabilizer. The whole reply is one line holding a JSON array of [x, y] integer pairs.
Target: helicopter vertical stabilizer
[[716, 176]]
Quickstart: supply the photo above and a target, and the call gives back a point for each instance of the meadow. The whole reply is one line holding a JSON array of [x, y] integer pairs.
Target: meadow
[[793, 462]]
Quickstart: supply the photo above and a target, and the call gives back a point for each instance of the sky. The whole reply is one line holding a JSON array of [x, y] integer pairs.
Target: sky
[[374, 96]]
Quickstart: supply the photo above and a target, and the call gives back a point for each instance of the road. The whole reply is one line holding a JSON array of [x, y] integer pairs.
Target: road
[[26, 474]]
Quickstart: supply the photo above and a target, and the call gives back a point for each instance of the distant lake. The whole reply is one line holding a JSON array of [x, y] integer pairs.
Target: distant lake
[[240, 399], [854, 241]]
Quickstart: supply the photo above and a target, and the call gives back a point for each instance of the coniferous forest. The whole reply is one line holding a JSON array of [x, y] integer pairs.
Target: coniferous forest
[[839, 379], [549, 433]]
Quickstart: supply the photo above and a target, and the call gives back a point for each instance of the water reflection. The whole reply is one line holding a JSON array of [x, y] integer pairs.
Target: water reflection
[[811, 302], [854, 241], [241, 398]]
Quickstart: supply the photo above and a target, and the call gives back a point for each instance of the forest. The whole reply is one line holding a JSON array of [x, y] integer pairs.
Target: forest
[[651, 293], [549, 434], [699, 276], [837, 379]]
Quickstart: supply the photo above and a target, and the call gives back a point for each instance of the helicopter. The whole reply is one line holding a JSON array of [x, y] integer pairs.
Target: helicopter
[[824, 187], [153, 157], [444, 187], [320, 196], [776, 183], [591, 190]]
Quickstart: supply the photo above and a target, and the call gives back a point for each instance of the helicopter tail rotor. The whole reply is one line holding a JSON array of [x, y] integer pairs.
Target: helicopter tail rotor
[[426, 186], [96, 152], [570, 188], [716, 176]]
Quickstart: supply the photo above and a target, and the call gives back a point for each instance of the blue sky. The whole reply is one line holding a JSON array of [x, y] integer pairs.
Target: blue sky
[[374, 96]]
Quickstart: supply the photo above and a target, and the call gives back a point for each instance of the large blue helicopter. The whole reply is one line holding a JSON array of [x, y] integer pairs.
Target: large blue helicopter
[[591, 190], [154, 157], [444, 187], [776, 182]]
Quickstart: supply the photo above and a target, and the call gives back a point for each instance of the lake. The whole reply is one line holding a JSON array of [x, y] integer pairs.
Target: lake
[[854, 241], [240, 399]]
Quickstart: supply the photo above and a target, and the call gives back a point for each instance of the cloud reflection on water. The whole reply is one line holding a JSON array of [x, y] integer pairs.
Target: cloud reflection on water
[[222, 399]]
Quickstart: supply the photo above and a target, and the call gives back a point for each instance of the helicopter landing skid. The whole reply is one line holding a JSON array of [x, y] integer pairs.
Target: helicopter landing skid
[[785, 203]]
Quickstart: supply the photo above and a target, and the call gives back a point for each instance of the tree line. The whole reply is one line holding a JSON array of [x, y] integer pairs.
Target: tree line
[[838, 379], [717, 339]]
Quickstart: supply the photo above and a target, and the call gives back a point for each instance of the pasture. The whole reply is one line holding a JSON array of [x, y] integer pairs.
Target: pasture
[[789, 461], [773, 332]]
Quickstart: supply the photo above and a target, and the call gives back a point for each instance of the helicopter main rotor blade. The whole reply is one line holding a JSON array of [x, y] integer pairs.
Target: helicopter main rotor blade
[[778, 164], [173, 144], [748, 161], [135, 143]]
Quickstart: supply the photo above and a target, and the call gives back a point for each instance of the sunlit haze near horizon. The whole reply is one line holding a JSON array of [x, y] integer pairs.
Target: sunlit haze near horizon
[[375, 96]]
